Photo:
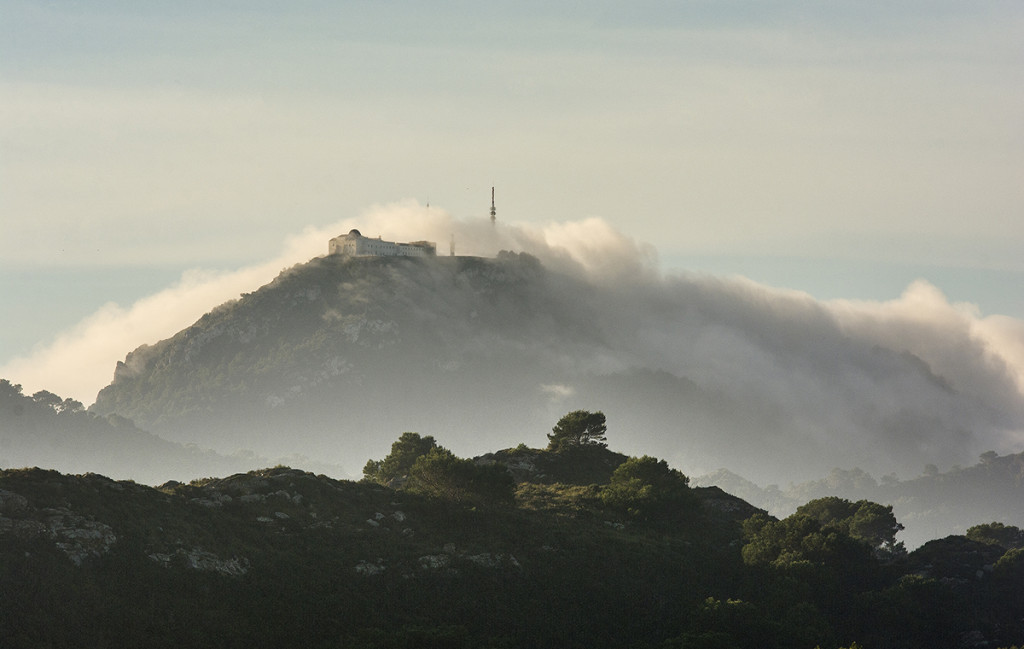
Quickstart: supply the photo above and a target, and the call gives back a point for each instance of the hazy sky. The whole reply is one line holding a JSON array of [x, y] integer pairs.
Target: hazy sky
[[840, 148]]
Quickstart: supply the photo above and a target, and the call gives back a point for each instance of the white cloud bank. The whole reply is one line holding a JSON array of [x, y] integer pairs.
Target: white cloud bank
[[80, 361], [827, 360]]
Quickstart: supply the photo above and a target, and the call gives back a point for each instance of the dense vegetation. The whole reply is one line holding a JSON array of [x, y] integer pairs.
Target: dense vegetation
[[578, 547]]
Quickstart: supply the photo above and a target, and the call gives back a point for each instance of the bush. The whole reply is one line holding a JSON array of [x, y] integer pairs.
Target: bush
[[578, 428], [441, 474], [404, 452], [646, 487]]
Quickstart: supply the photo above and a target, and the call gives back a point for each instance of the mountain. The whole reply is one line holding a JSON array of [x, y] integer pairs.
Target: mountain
[[928, 505], [285, 558], [45, 430], [337, 355]]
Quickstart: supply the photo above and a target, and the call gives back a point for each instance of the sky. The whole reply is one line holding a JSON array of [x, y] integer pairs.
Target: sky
[[157, 158]]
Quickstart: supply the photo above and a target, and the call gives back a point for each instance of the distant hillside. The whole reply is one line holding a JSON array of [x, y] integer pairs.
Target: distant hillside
[[929, 505], [285, 558], [337, 355], [46, 431]]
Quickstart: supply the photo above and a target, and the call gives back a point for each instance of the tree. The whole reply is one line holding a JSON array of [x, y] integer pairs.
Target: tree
[[646, 487], [8, 389], [420, 465], [863, 520], [48, 399], [441, 474], [1008, 537], [404, 453], [578, 428]]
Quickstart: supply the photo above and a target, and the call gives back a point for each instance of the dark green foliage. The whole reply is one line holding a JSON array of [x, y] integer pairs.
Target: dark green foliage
[[957, 498], [579, 465], [419, 465], [1007, 537], [284, 558], [801, 542], [578, 428], [863, 520], [404, 452], [1013, 560], [440, 474], [414, 637], [646, 488], [954, 557]]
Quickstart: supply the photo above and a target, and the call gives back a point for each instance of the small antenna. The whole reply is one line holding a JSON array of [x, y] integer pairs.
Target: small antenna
[[493, 211]]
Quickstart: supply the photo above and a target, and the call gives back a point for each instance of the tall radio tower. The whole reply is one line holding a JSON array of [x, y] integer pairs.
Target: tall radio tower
[[493, 211]]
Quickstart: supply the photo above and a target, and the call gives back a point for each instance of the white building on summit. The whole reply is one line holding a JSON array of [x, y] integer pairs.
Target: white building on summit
[[354, 244]]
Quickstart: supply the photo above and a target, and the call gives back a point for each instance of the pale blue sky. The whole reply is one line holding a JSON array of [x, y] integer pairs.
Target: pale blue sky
[[841, 148]]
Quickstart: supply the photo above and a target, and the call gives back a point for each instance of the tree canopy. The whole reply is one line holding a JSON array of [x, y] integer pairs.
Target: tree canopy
[[404, 453], [419, 464], [646, 487], [863, 520], [578, 428], [441, 474], [1008, 537]]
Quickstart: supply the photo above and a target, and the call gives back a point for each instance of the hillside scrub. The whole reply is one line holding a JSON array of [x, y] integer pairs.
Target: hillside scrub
[[284, 558]]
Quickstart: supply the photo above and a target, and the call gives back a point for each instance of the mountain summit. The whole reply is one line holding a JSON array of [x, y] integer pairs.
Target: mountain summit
[[336, 356]]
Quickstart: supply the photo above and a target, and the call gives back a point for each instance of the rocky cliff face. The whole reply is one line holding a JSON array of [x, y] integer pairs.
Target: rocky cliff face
[[79, 537], [335, 356]]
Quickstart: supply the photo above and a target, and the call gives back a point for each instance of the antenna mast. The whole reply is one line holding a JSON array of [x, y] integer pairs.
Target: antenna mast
[[493, 211]]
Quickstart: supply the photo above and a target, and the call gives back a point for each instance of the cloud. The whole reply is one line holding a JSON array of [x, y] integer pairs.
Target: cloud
[[80, 361], [557, 391], [980, 356], [883, 385], [590, 246], [750, 368]]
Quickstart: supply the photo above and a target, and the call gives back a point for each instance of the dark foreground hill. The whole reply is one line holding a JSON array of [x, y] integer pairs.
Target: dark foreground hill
[[285, 558]]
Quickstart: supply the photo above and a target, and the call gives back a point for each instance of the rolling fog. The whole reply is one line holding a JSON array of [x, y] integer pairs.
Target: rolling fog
[[704, 371]]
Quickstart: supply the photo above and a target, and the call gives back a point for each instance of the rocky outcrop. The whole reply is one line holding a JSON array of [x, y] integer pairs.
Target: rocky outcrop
[[203, 561], [77, 536]]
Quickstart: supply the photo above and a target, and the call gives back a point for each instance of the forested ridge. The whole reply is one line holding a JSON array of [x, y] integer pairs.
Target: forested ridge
[[574, 545]]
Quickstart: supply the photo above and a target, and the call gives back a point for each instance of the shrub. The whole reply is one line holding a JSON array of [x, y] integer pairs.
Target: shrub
[[646, 487], [441, 474]]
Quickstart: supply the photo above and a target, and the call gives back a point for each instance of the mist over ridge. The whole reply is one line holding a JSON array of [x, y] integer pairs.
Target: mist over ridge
[[485, 353]]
